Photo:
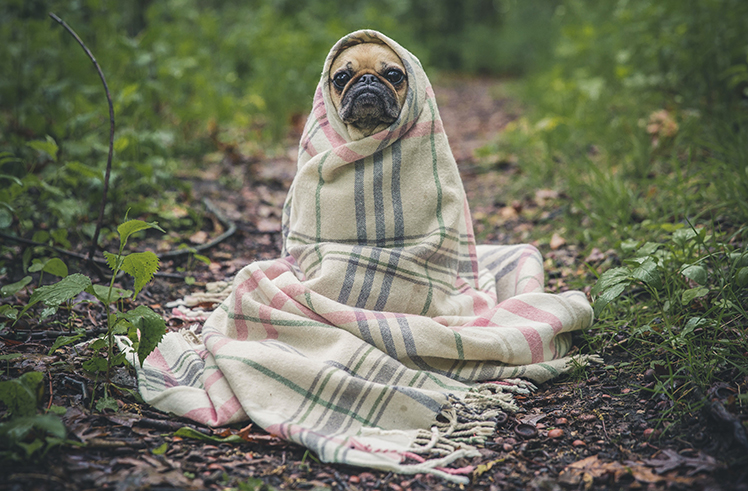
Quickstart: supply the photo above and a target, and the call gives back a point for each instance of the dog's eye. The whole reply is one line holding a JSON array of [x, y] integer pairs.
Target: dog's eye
[[394, 76], [340, 79]]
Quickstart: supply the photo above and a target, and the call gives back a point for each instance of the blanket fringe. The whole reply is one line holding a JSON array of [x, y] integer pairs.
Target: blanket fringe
[[469, 419], [192, 308], [437, 466]]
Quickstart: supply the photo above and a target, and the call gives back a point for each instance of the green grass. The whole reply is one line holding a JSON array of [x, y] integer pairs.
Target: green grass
[[639, 119]]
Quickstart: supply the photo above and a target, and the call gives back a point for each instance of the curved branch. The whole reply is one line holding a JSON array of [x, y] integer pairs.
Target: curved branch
[[221, 218], [111, 134]]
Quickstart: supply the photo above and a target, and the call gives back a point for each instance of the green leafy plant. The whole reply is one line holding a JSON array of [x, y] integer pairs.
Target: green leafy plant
[[142, 327], [684, 299], [26, 435]]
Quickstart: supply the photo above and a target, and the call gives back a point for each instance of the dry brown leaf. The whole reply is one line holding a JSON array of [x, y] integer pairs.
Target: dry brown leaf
[[595, 256], [508, 213], [668, 460], [587, 470], [268, 225], [557, 241], [199, 237], [542, 195]]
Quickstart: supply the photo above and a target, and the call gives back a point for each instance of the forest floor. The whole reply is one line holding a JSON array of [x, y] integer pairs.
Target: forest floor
[[597, 429]]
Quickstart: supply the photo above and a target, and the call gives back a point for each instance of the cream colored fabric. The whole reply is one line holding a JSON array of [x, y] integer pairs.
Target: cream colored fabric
[[381, 313]]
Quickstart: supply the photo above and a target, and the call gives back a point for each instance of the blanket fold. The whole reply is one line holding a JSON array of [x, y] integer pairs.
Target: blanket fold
[[382, 316]]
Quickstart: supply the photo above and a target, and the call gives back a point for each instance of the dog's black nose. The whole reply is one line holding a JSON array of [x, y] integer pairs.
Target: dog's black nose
[[367, 79]]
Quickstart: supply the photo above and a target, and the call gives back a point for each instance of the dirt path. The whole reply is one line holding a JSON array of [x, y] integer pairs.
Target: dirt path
[[594, 429]]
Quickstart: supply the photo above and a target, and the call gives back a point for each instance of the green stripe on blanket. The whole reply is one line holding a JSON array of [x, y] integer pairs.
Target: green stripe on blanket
[[381, 314]]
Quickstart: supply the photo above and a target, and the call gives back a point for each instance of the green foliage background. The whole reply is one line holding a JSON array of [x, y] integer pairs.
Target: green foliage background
[[187, 74], [636, 110]]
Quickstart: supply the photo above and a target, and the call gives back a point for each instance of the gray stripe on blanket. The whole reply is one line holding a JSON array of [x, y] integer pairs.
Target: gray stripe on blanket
[[360, 200], [397, 200]]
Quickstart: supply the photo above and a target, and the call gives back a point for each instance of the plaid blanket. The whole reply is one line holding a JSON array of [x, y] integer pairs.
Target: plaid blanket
[[383, 336]]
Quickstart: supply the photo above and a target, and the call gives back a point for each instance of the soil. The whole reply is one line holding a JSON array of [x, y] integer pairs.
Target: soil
[[597, 429]]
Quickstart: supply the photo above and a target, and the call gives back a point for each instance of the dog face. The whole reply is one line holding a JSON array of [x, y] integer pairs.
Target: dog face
[[368, 85]]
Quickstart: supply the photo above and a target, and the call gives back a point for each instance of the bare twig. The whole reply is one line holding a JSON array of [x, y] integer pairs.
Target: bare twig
[[49, 377], [111, 134], [58, 250]]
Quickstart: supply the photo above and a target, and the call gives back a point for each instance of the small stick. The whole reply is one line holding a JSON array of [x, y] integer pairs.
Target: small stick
[[49, 377], [111, 133]]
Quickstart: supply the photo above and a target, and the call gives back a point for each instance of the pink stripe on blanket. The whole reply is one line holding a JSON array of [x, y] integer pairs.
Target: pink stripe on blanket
[[247, 287], [212, 417], [212, 379], [320, 113], [423, 129], [347, 154], [480, 305], [478, 322], [215, 346], [266, 316], [294, 290], [531, 334], [276, 269], [524, 309]]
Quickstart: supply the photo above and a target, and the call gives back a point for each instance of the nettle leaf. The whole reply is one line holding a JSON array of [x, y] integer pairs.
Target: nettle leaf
[[648, 249], [9, 311], [105, 403], [114, 261], [682, 236], [648, 273], [16, 432], [97, 344], [66, 340], [62, 291], [60, 236], [128, 228], [694, 293], [102, 293], [696, 322], [610, 278], [629, 245], [151, 327], [608, 295], [21, 394], [13, 288], [696, 273], [56, 267], [141, 266], [95, 364]]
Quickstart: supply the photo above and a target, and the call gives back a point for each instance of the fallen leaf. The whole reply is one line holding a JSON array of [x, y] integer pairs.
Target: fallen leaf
[[673, 460], [542, 195], [595, 256], [199, 237], [268, 225], [557, 241], [508, 213], [483, 468], [591, 468], [533, 419]]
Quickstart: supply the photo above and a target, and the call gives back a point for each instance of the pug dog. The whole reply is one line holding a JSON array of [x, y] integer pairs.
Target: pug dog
[[368, 85]]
